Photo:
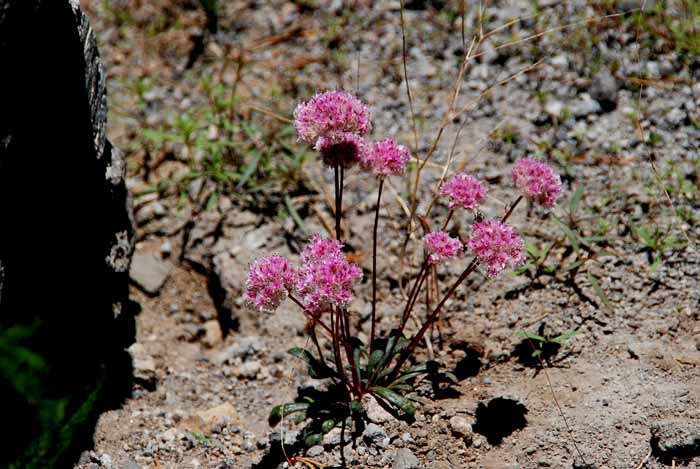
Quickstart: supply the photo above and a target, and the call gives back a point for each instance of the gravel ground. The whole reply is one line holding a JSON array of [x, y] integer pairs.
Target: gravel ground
[[613, 103]]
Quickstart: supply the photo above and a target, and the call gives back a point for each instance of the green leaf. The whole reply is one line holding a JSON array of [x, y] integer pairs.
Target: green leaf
[[411, 373], [293, 213], [599, 292], [655, 265], [560, 339], [286, 410], [357, 356], [451, 377], [355, 406], [573, 237], [394, 399], [575, 200], [374, 359], [573, 265], [313, 439], [250, 168], [327, 425], [531, 249], [211, 203], [523, 268], [531, 336], [317, 369]]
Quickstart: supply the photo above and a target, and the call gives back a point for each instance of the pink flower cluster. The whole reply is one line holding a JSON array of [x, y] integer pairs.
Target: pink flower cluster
[[441, 247], [334, 123], [464, 191], [324, 279], [269, 281], [537, 181], [386, 158], [497, 245]]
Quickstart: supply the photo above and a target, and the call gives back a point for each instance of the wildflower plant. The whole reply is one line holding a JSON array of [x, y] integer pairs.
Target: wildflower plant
[[337, 124]]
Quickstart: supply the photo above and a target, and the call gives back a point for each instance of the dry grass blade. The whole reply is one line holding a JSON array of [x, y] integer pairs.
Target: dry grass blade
[[404, 53], [652, 158], [399, 199], [267, 112], [559, 28], [556, 402], [643, 461]]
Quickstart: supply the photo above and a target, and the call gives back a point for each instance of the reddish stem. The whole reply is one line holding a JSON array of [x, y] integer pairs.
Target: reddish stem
[[419, 335], [374, 265]]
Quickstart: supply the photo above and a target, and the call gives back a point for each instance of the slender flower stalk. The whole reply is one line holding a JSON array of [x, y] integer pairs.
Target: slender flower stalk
[[374, 266], [383, 158], [417, 337]]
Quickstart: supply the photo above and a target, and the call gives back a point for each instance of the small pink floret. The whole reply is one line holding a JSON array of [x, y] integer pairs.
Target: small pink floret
[[334, 123], [269, 281], [326, 277], [386, 158], [497, 246], [537, 181], [441, 247], [464, 191]]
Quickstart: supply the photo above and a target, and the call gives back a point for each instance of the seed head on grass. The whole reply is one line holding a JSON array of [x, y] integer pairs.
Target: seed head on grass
[[497, 246], [334, 123], [441, 247], [269, 281], [325, 278], [464, 191], [385, 158], [537, 181]]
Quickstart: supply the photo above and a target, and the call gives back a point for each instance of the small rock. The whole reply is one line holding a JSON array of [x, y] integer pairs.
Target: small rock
[[604, 90], [333, 437], [212, 334], [315, 451], [248, 369], [585, 107], [207, 420], [131, 464], [560, 61], [629, 5], [168, 435], [375, 412], [554, 108], [290, 438], [106, 460], [245, 347], [676, 438], [405, 459], [149, 272], [374, 434], [675, 117], [143, 365], [460, 426], [166, 248]]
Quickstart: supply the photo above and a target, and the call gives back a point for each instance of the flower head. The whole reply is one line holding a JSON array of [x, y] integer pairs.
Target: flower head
[[269, 281], [334, 123], [537, 181], [386, 158], [326, 277], [343, 149], [497, 245], [464, 191], [441, 247]]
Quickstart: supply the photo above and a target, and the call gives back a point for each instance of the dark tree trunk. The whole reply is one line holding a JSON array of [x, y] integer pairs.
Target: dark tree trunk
[[66, 237]]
